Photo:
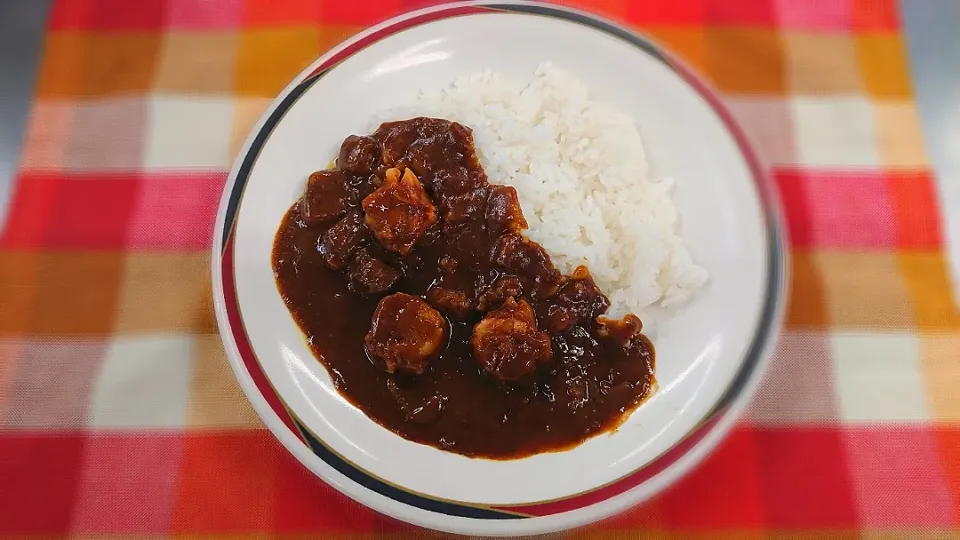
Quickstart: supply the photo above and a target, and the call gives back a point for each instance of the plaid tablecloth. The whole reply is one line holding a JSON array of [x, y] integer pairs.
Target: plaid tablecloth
[[119, 416]]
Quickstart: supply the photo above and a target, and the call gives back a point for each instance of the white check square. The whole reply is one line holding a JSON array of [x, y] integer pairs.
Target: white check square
[[879, 376], [836, 131], [189, 133], [144, 382]]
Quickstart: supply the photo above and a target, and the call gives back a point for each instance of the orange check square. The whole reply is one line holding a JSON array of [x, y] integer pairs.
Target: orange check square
[[939, 352], [746, 60], [899, 135], [62, 70], [689, 44], [270, 58], [76, 292], [865, 290], [806, 302], [19, 286], [9, 358], [216, 400], [332, 34], [164, 292], [822, 63], [883, 65], [198, 61], [927, 277], [120, 63]]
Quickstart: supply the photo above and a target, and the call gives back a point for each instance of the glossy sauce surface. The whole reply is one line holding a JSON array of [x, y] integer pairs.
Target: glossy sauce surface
[[472, 260]]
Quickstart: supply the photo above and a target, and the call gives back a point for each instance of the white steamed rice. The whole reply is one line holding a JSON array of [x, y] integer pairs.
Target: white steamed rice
[[581, 173]]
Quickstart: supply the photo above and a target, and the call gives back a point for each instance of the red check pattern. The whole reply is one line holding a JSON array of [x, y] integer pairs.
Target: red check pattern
[[119, 417]]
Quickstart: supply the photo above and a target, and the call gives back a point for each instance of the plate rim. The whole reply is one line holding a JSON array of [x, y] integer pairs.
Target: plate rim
[[550, 515]]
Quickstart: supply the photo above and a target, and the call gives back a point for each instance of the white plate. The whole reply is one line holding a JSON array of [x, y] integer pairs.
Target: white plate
[[708, 357]]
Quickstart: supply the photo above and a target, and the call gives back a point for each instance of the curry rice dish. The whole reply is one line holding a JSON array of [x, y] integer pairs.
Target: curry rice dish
[[411, 276]]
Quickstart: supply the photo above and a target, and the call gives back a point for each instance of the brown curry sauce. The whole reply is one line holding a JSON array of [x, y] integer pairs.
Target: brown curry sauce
[[468, 260]]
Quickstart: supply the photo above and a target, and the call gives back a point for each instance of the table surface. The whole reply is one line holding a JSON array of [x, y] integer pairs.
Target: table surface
[[856, 431]]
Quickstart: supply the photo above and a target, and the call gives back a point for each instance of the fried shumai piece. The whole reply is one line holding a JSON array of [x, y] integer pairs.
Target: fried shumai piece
[[399, 211], [506, 341], [405, 334]]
